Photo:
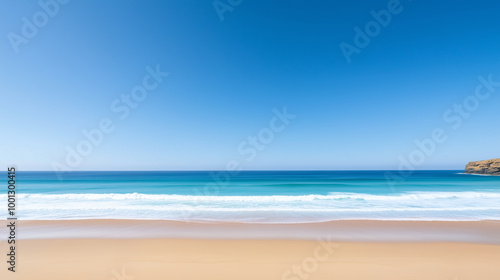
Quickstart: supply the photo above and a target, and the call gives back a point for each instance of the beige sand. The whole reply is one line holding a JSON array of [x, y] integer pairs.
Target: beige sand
[[166, 258]]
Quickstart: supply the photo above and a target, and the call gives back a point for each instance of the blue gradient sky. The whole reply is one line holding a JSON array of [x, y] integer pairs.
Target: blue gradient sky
[[227, 76]]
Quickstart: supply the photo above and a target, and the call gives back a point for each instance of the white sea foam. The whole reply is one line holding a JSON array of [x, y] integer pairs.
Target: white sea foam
[[273, 209], [284, 198], [257, 209]]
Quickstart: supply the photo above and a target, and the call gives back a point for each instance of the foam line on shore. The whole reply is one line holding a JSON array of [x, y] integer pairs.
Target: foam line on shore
[[355, 231]]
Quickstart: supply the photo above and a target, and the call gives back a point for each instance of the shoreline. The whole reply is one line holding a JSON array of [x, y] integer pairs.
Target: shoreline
[[484, 232], [479, 174]]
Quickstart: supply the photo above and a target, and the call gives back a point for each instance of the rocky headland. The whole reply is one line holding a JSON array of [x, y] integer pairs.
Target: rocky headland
[[484, 167]]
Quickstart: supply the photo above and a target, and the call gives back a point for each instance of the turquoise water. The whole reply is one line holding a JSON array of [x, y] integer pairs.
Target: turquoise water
[[258, 196]]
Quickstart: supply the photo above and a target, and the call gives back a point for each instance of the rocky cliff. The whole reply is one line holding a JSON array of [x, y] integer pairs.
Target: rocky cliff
[[487, 167]]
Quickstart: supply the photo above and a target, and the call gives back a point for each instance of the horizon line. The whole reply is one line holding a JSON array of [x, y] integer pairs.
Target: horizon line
[[219, 170]]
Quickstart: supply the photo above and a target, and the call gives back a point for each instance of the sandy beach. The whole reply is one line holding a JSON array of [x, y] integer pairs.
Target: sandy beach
[[230, 257]]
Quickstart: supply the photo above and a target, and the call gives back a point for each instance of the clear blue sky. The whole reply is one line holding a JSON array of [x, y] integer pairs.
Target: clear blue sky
[[227, 76]]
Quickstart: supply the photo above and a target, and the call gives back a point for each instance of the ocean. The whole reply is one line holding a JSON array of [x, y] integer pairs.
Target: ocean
[[256, 196]]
